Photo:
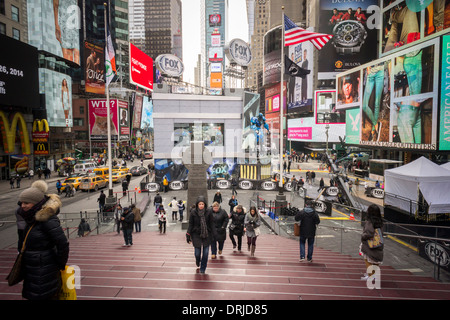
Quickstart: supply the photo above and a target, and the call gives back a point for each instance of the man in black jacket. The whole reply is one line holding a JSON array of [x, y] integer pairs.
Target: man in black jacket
[[127, 226], [309, 219]]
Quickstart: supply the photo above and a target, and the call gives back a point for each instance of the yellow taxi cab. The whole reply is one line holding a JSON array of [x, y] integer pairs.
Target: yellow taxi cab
[[102, 172], [118, 176], [74, 181], [92, 183], [123, 169]]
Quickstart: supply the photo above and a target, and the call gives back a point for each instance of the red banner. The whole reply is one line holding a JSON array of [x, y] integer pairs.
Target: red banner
[[141, 68]]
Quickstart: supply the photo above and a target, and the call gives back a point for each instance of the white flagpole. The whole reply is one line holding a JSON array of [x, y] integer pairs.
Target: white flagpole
[[108, 112], [281, 100]]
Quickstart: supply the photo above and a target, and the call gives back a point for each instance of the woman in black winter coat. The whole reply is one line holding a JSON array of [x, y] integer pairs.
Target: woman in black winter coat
[[200, 232], [47, 248], [237, 226], [220, 218]]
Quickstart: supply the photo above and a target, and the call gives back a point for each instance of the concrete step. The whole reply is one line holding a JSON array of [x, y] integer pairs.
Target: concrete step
[[163, 267]]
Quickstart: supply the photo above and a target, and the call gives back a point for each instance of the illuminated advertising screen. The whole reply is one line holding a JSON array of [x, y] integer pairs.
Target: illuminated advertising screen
[[18, 74], [141, 68], [354, 39], [405, 22], [325, 110], [305, 129], [57, 88], [124, 120], [98, 117], [444, 131], [300, 90], [398, 98], [147, 114], [137, 113], [54, 26], [94, 57]]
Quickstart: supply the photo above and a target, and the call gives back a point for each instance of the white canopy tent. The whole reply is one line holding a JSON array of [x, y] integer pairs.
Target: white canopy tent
[[446, 165], [423, 175]]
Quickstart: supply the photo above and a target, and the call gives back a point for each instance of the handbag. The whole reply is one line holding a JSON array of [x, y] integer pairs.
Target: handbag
[[67, 290], [16, 275], [257, 231], [297, 229], [377, 240]]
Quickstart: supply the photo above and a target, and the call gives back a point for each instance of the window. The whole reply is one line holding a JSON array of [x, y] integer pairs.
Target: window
[[14, 13], [16, 34], [2, 28]]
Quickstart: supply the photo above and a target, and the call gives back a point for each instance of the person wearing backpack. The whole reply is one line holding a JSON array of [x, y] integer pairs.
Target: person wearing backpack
[[309, 219]]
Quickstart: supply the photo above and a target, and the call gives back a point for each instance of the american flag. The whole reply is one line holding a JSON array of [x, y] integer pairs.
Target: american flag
[[293, 34]]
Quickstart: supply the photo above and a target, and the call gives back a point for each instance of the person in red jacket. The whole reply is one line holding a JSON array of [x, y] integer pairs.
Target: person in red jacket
[[360, 16], [337, 16]]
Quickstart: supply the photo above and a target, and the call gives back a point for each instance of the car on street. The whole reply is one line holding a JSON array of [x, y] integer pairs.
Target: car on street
[[93, 183], [138, 171], [148, 155], [75, 181], [118, 176], [123, 169]]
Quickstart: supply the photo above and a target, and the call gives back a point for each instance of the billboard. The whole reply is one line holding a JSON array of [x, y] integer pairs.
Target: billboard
[[397, 98], [215, 80], [300, 90], [18, 72], [98, 125], [141, 68], [444, 125], [124, 120], [405, 22], [147, 114], [94, 57], [325, 110], [54, 26], [305, 129], [137, 112], [354, 40], [57, 88]]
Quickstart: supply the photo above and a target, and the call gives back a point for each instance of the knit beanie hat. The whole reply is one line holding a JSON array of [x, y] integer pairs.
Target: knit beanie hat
[[35, 193]]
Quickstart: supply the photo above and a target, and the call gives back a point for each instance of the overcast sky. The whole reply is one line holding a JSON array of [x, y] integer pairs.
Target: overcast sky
[[237, 28]]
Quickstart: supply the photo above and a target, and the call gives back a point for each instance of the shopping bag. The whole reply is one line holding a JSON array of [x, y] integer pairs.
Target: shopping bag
[[67, 291], [297, 229]]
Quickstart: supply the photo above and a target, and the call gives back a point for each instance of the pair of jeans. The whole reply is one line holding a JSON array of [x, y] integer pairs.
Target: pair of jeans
[[137, 226], [310, 247], [201, 256], [409, 122], [127, 236], [214, 246], [374, 80]]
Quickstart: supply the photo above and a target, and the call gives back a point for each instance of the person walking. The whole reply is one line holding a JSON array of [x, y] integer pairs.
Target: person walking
[[117, 215], [18, 179], [220, 218], [127, 219], [58, 186], [309, 219], [371, 248], [234, 184], [162, 219], [101, 201], [165, 184], [181, 209], [137, 217], [237, 226], [124, 188], [252, 222], [174, 205], [83, 228], [11, 182], [199, 232], [157, 201], [232, 203], [218, 197], [46, 248], [321, 184]]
